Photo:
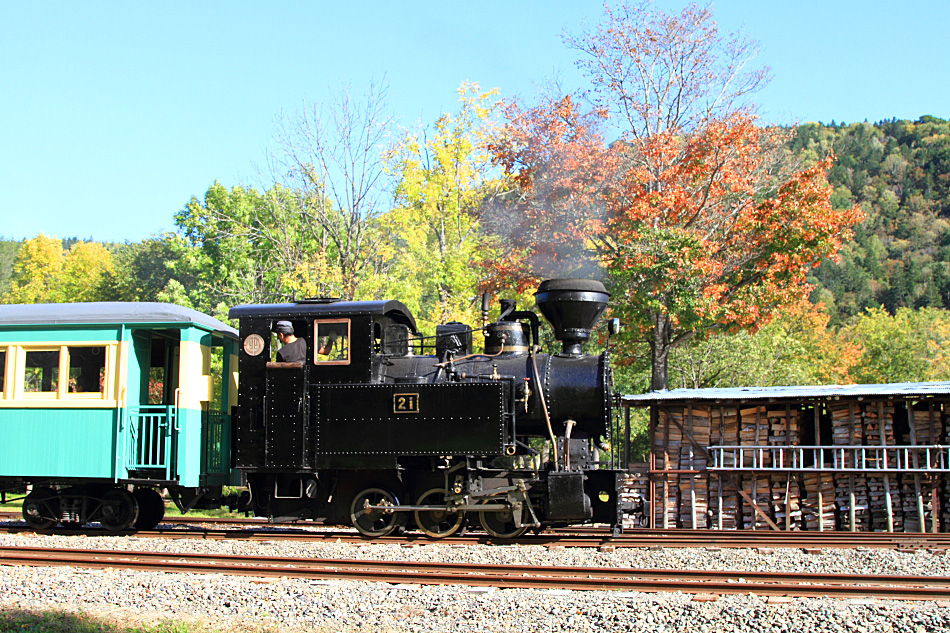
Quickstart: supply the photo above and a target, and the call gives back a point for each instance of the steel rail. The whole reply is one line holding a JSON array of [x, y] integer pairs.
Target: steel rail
[[578, 536], [505, 576]]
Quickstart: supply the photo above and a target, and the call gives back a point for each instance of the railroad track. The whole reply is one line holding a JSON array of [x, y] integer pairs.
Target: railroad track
[[259, 530], [502, 576]]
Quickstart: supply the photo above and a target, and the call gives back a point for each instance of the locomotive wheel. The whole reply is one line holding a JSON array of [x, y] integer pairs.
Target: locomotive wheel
[[151, 508], [375, 523], [500, 524], [437, 523], [41, 508], [119, 510]]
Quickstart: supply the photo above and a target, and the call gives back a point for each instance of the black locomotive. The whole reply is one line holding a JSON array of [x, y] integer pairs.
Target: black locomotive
[[370, 432]]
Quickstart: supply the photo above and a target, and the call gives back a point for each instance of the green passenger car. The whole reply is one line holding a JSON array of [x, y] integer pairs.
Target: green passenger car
[[105, 405]]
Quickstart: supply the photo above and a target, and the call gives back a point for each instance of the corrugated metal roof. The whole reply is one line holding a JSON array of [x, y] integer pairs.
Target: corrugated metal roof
[[61, 314], [902, 389]]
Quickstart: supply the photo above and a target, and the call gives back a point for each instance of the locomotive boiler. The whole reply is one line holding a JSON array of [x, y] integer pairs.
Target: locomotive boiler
[[372, 430]]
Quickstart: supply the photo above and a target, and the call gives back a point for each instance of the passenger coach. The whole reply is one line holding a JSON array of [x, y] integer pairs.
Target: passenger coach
[[103, 405]]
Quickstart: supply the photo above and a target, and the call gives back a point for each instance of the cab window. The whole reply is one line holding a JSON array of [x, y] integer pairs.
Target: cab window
[[332, 341]]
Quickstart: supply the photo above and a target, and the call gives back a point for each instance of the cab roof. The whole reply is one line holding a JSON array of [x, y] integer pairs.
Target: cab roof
[[394, 310]]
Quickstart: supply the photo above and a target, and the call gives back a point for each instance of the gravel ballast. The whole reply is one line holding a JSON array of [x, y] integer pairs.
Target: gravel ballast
[[235, 602]]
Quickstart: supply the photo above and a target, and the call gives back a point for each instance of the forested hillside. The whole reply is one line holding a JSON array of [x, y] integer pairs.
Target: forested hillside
[[899, 173]]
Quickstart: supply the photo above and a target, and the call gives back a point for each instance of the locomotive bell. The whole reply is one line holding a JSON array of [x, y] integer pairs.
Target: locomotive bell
[[572, 307]]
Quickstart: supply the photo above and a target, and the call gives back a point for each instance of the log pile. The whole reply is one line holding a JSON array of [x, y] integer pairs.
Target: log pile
[[827, 500], [848, 430], [818, 506]]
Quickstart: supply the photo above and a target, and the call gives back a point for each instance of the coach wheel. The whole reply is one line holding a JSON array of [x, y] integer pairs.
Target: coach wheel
[[119, 510], [41, 508], [500, 524], [375, 523], [151, 508], [437, 523]]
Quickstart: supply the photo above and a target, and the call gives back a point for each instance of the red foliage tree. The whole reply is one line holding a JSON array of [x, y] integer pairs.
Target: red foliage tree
[[549, 217]]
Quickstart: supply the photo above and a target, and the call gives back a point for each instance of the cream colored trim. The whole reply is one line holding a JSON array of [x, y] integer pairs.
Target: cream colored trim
[[194, 379], [15, 396], [9, 371], [56, 403]]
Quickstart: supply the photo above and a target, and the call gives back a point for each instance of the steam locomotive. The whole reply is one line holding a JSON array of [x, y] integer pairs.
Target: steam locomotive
[[371, 431]]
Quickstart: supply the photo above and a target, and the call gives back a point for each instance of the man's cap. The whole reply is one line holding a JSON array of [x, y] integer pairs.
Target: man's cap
[[284, 327]]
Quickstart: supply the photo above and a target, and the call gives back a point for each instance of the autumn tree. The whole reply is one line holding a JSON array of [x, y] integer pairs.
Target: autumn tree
[[549, 216], [714, 241], [710, 226], [797, 347], [43, 272], [442, 175]]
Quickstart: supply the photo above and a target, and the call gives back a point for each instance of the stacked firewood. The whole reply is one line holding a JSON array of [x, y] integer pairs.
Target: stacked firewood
[[818, 505], [848, 430], [635, 496], [883, 492]]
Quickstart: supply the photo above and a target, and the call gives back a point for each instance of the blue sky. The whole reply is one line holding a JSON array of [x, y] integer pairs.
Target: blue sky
[[114, 114]]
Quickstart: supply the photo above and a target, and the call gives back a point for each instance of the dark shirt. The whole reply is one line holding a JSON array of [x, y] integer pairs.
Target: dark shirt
[[295, 352]]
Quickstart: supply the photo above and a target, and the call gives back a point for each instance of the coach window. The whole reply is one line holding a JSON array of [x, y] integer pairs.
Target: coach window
[[3, 372], [41, 373], [87, 370], [332, 344]]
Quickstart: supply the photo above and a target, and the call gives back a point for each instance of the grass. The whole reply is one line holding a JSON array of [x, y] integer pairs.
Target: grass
[[19, 621]]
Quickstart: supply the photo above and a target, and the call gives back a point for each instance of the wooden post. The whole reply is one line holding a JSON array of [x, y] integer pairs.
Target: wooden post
[[887, 478], [755, 478], [821, 495], [722, 437], [654, 420], [852, 513], [666, 478], [692, 478], [922, 522], [934, 497], [788, 476]]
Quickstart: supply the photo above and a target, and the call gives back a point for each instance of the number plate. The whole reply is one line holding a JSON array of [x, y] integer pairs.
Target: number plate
[[405, 403]]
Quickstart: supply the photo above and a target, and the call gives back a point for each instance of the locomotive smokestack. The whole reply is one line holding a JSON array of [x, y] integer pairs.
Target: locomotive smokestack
[[572, 307]]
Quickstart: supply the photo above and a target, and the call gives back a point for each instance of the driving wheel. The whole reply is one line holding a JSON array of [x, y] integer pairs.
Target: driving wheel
[[500, 524], [375, 523], [437, 523]]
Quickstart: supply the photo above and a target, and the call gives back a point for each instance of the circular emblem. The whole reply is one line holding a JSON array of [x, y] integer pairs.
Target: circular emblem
[[254, 344]]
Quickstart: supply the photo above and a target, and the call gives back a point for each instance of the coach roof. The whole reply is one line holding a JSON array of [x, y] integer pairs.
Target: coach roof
[[109, 312]]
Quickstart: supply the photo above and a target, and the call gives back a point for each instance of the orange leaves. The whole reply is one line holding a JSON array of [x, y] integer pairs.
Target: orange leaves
[[553, 211]]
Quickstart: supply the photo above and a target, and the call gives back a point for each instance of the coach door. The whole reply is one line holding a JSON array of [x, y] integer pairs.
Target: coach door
[[152, 414]]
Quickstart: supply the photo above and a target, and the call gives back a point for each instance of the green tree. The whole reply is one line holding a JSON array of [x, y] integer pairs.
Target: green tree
[[910, 346]]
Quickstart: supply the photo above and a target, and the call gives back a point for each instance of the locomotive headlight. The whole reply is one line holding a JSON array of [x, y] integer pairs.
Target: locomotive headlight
[[605, 446]]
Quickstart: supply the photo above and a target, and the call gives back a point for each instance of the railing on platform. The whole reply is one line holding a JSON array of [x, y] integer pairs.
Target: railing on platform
[[855, 459], [215, 442], [150, 438]]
